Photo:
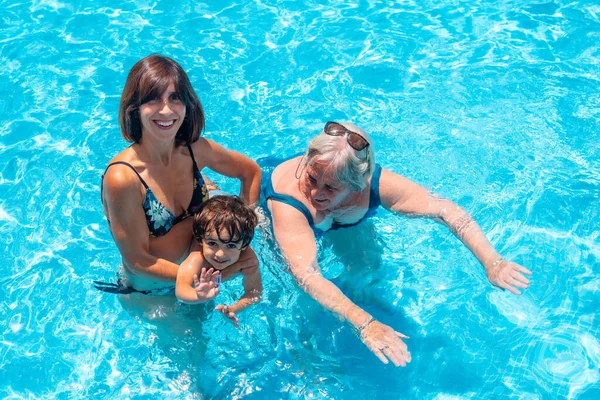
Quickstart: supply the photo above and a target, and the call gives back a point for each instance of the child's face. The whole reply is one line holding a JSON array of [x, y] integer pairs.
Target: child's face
[[220, 254]]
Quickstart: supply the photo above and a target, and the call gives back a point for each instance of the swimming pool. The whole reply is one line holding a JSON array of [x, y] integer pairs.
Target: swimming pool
[[495, 105]]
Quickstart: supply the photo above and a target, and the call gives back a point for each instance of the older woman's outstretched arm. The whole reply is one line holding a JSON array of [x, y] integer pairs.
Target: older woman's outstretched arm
[[401, 195], [297, 243]]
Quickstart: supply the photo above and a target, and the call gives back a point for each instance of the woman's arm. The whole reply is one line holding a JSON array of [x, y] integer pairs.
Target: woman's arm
[[233, 165], [297, 243], [401, 195], [123, 198]]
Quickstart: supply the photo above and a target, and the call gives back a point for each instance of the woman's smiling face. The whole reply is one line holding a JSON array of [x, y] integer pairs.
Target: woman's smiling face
[[322, 188], [162, 117]]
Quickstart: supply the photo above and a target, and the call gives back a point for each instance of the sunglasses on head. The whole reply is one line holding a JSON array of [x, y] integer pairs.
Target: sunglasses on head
[[355, 140]]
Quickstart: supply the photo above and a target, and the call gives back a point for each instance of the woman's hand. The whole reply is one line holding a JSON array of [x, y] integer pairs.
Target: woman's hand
[[206, 287], [227, 313], [386, 344], [505, 274]]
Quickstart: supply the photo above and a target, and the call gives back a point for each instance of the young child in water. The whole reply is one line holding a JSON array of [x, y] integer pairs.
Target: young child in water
[[223, 227]]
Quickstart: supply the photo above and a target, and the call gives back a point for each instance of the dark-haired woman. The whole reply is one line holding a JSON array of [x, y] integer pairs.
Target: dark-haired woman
[[151, 188]]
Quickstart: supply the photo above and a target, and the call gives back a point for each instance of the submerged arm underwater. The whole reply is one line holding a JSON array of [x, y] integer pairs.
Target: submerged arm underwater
[[297, 243], [405, 197]]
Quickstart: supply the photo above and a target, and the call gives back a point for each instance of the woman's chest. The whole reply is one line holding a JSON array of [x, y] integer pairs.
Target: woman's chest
[[172, 188], [349, 215], [175, 245]]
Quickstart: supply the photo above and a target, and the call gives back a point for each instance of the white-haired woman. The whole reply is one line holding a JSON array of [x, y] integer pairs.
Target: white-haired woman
[[338, 184]]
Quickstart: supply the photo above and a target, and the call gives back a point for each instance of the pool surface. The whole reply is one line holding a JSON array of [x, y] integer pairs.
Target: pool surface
[[494, 104]]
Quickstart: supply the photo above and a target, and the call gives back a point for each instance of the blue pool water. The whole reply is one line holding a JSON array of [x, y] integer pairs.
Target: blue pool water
[[495, 105]]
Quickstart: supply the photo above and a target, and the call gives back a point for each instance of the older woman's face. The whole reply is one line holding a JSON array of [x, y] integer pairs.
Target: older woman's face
[[324, 191]]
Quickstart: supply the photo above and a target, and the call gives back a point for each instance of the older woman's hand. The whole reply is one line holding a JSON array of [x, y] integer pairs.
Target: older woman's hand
[[385, 343], [505, 274]]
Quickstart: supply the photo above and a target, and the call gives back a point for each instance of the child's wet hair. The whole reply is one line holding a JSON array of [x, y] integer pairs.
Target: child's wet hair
[[226, 214]]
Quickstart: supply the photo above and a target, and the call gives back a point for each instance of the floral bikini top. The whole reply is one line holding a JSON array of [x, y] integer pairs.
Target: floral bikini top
[[159, 218]]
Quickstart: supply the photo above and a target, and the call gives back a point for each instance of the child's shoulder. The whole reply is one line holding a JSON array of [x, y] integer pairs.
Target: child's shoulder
[[249, 270]]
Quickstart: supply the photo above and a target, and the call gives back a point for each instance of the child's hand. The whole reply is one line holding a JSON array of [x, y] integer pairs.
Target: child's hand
[[230, 315], [207, 286]]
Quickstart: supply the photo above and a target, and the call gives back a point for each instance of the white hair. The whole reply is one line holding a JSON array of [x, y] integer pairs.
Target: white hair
[[348, 165]]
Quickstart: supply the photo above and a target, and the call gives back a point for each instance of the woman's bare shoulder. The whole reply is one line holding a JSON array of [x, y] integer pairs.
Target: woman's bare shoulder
[[121, 177], [201, 145], [127, 155], [284, 175], [203, 150]]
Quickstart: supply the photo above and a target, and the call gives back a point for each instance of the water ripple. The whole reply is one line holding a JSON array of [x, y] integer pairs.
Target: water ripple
[[494, 105]]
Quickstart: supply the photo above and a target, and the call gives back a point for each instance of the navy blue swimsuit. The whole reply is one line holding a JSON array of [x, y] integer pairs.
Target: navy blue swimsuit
[[374, 201]]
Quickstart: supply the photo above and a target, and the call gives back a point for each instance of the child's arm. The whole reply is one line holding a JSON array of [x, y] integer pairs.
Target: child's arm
[[252, 294], [191, 288], [252, 289]]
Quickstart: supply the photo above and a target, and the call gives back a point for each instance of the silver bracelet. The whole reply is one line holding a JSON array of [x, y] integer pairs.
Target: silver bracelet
[[358, 331], [498, 261]]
